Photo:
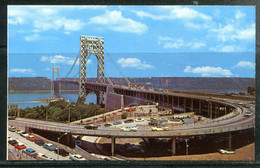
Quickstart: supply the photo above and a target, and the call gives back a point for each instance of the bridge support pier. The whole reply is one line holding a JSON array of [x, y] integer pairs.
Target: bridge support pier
[[174, 146], [113, 143]]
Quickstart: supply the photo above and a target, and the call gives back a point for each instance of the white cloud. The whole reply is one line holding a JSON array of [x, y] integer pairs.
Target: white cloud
[[16, 21], [47, 69], [245, 64], [116, 22], [175, 13], [133, 63], [61, 59], [230, 32], [169, 42], [227, 48], [24, 71], [208, 71], [239, 14], [32, 37]]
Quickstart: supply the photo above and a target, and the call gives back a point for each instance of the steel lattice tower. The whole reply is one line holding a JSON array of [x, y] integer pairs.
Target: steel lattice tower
[[95, 46], [55, 69]]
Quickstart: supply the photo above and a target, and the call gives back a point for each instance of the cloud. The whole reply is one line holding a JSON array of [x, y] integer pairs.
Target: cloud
[[169, 42], [227, 48], [61, 59], [230, 32], [16, 21], [175, 13], [33, 37], [133, 63], [239, 14], [208, 71], [245, 64], [23, 71], [116, 22]]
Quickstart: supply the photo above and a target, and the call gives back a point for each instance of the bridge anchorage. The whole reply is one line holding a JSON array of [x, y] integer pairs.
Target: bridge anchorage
[[91, 45]]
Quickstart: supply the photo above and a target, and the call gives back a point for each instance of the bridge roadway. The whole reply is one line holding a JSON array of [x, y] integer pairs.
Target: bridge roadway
[[237, 121]]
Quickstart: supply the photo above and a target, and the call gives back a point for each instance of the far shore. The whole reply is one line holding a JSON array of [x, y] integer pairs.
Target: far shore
[[41, 91]]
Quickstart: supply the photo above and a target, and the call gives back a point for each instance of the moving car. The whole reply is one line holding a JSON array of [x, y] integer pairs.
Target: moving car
[[163, 119], [24, 134], [20, 146], [12, 142], [30, 152], [129, 121], [76, 157], [159, 128], [108, 125], [39, 142], [12, 129], [117, 122], [129, 129], [227, 151], [49, 146], [42, 156], [62, 152], [139, 120], [248, 114], [91, 126], [31, 137]]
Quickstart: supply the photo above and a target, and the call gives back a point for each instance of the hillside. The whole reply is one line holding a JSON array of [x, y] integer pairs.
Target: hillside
[[175, 83]]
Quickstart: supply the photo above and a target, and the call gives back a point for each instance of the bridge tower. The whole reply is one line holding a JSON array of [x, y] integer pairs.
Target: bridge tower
[[95, 46], [55, 69]]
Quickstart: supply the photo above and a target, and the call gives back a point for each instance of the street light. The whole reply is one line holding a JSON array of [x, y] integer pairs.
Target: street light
[[69, 111], [187, 146], [58, 142]]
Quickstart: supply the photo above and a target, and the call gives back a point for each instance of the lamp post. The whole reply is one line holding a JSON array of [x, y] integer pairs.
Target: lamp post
[[69, 112], [187, 146], [59, 142]]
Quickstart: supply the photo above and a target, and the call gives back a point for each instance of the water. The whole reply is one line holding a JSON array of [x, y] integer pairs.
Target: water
[[31, 99]]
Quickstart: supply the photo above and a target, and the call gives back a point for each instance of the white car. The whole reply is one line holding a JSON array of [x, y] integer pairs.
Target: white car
[[159, 128], [227, 151], [139, 120], [77, 157], [129, 129], [24, 134]]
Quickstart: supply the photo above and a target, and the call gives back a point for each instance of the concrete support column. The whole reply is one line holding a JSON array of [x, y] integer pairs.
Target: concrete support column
[[229, 140], [172, 105], [191, 104], [225, 110], [68, 138], [122, 102], [113, 143], [178, 101], [184, 107], [174, 146], [199, 106]]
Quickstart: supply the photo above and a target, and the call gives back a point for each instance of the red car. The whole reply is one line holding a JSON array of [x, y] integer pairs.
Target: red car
[[20, 146], [31, 138]]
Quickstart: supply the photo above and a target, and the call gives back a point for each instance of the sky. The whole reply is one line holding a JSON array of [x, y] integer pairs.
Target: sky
[[139, 41]]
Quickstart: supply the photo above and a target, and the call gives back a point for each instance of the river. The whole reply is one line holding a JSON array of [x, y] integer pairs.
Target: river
[[31, 99]]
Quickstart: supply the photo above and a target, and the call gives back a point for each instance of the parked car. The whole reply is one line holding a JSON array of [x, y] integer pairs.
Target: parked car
[[227, 151], [163, 119], [129, 129], [126, 145], [117, 122], [159, 128], [129, 121], [20, 146], [139, 120], [49, 146], [76, 157], [31, 138], [91, 126], [30, 152], [248, 114], [176, 121], [42, 156], [12, 142], [62, 152], [39, 142], [12, 129], [11, 117], [108, 125]]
